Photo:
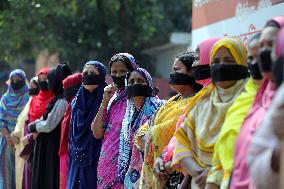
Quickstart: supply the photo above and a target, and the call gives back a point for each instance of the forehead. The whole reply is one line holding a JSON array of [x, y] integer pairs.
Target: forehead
[[90, 68], [222, 52], [136, 75], [118, 65], [16, 77], [178, 63]]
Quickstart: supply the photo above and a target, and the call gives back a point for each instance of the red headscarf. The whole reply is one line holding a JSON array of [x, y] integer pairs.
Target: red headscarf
[[39, 103], [70, 81]]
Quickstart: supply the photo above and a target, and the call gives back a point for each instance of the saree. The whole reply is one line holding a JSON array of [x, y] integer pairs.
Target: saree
[[222, 162], [200, 130]]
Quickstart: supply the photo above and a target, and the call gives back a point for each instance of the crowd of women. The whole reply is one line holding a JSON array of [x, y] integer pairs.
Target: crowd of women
[[222, 129]]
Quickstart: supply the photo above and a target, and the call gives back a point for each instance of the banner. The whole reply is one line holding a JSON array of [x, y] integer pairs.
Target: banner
[[234, 18]]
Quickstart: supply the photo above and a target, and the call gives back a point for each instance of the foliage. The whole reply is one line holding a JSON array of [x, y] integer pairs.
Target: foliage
[[87, 29]]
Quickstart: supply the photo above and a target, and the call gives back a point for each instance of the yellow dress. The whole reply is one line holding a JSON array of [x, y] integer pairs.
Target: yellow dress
[[19, 133], [223, 156], [159, 132]]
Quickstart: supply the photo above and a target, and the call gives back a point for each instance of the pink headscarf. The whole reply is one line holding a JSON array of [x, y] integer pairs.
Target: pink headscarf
[[279, 47], [204, 53]]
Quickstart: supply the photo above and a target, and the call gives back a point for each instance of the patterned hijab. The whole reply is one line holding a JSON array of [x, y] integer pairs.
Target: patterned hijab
[[13, 102], [131, 124]]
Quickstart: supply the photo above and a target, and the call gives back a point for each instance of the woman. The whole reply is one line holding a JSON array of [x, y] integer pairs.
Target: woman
[[201, 72], [71, 86], [11, 105], [46, 160], [198, 133], [222, 162], [162, 127], [37, 107], [265, 148], [84, 149], [141, 105], [240, 177], [107, 123], [18, 133]]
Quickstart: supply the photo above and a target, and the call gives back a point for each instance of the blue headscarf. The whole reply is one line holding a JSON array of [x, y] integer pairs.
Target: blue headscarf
[[131, 124], [13, 102], [84, 148]]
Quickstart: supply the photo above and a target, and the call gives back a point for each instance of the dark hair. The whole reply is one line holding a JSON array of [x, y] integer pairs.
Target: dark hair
[[122, 58], [272, 23], [187, 58]]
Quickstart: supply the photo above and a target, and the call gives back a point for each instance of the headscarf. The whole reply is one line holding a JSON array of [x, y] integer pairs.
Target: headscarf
[[235, 46], [130, 125], [197, 136], [55, 78], [13, 102], [278, 65], [69, 82], [83, 146], [279, 44], [39, 103], [204, 53], [130, 61]]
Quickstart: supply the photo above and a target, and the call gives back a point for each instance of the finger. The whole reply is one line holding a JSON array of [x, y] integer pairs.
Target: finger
[[161, 166], [199, 179]]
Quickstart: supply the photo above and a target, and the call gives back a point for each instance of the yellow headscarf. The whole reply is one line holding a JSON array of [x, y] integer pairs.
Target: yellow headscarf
[[236, 48]]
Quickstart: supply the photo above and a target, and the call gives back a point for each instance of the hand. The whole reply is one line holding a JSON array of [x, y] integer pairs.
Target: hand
[[108, 93], [186, 182], [26, 157], [16, 140], [10, 140], [159, 169], [212, 186], [25, 140], [168, 168], [35, 135], [201, 178]]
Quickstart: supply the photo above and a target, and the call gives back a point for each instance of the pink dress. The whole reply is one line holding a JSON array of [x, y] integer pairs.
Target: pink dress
[[240, 176], [107, 165]]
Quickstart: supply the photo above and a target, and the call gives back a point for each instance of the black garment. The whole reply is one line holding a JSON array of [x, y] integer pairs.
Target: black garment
[[174, 180], [45, 171]]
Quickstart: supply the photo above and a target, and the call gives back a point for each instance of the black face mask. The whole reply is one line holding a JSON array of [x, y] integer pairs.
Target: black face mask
[[228, 72], [92, 79], [181, 79], [18, 84], [254, 71], [33, 91], [277, 69], [71, 92], [43, 85], [201, 72], [265, 62], [119, 81], [139, 90]]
